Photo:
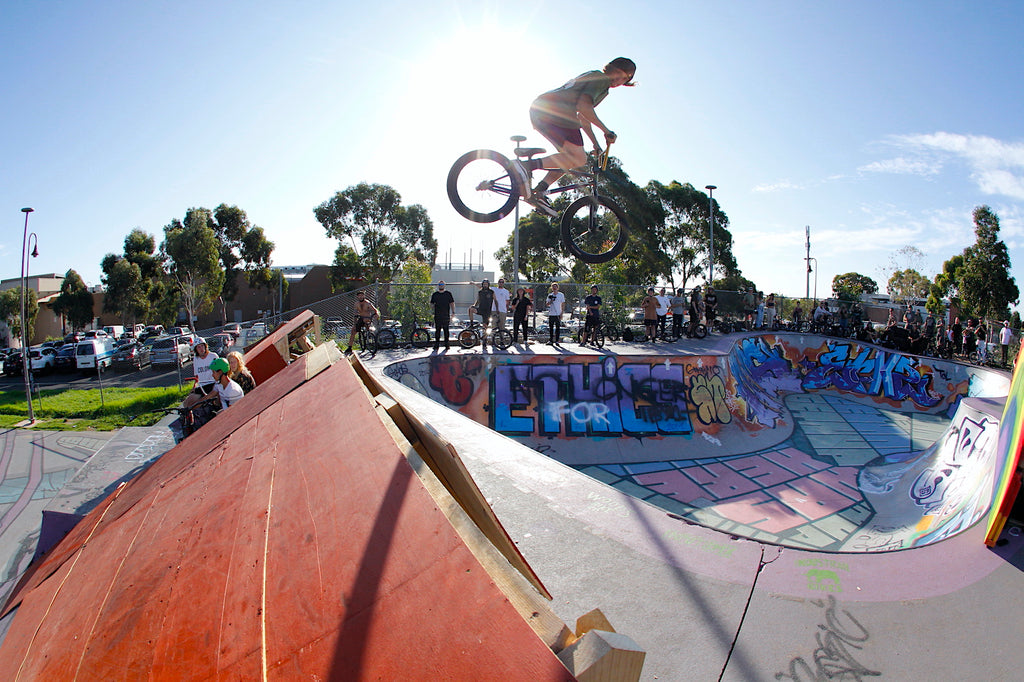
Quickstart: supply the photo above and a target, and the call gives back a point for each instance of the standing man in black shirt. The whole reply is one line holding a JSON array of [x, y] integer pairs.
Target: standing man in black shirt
[[485, 306], [444, 307], [593, 318]]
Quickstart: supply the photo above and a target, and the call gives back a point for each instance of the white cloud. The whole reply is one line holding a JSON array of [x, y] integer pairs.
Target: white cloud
[[778, 186], [997, 167], [903, 166]]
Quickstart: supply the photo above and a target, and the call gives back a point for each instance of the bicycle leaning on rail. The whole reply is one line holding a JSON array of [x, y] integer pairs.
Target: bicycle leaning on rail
[[483, 187]]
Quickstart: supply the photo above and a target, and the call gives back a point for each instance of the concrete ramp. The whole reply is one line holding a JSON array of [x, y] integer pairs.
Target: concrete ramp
[[797, 440]]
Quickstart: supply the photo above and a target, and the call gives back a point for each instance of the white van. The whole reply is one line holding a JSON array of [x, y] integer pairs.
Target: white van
[[93, 352], [114, 331]]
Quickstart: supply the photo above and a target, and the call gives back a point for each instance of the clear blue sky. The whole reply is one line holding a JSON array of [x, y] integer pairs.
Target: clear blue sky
[[878, 124]]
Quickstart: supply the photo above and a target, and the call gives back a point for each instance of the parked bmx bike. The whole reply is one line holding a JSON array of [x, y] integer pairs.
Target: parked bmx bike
[[484, 188]]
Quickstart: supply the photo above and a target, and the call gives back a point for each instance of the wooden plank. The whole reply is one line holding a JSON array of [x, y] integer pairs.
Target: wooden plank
[[601, 656]]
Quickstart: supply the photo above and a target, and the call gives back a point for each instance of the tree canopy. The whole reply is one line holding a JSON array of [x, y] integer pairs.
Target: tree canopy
[[978, 281], [851, 285], [193, 260], [381, 232], [74, 302], [10, 310], [908, 285]]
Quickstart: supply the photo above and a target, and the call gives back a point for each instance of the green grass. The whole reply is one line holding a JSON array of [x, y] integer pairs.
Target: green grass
[[84, 410]]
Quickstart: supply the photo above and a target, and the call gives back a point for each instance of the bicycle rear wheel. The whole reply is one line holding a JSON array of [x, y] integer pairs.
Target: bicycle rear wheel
[[482, 187], [420, 338], [594, 229], [385, 339], [700, 331], [599, 337], [468, 338]]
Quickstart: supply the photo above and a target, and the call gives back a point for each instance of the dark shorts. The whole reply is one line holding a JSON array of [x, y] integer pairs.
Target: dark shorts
[[204, 389], [553, 131]]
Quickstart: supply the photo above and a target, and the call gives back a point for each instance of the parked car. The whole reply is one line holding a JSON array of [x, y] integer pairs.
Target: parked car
[[133, 356], [65, 359], [114, 331], [74, 337], [94, 354], [221, 343], [234, 329], [171, 350], [13, 363], [42, 360], [96, 334]]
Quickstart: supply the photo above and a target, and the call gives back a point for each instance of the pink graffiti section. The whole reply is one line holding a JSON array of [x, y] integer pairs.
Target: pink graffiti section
[[775, 491]]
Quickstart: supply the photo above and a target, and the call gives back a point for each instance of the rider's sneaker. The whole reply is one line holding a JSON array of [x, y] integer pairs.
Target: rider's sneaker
[[523, 177], [540, 202]]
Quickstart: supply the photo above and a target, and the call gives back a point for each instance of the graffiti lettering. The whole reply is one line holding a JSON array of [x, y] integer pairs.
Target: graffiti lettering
[[451, 377], [822, 580], [833, 658], [944, 487], [870, 371], [708, 394], [597, 399]]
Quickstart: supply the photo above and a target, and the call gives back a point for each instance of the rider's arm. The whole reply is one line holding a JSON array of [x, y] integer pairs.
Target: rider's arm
[[587, 115]]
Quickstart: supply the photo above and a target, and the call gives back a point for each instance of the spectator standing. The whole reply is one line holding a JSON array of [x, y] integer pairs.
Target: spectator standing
[[592, 321], [485, 306], [759, 301], [696, 309], [1005, 336], [650, 307], [769, 311], [678, 305], [798, 314], [501, 297], [556, 303], [710, 307], [956, 335], [364, 314], [443, 304], [521, 307], [749, 303], [663, 303]]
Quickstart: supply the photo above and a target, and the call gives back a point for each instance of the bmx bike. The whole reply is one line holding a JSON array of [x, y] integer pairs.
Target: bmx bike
[[475, 333], [483, 187]]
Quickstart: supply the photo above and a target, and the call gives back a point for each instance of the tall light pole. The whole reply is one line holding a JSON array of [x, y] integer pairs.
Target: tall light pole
[[711, 233], [26, 368], [815, 275], [807, 231], [518, 139]]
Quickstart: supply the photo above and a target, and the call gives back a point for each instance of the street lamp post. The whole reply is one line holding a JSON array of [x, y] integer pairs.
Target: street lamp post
[[711, 233], [26, 368], [815, 275], [518, 139]]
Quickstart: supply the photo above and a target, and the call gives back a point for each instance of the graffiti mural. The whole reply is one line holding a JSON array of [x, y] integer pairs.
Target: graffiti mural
[[807, 442]]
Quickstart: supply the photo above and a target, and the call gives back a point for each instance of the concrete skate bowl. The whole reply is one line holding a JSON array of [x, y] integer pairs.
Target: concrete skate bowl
[[796, 440]]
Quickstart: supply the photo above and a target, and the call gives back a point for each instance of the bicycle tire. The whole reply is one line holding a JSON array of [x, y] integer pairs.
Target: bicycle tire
[[598, 233], [420, 337], [468, 338], [482, 186], [369, 344], [502, 339], [700, 332], [385, 339], [599, 337]]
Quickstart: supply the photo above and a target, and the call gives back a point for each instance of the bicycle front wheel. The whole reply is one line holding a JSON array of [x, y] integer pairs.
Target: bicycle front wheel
[[482, 187], [468, 338], [700, 331], [502, 339], [599, 337], [594, 229]]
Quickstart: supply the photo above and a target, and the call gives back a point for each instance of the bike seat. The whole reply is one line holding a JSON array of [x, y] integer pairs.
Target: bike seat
[[527, 152]]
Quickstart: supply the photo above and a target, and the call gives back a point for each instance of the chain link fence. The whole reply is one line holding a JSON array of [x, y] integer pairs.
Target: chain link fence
[[403, 307]]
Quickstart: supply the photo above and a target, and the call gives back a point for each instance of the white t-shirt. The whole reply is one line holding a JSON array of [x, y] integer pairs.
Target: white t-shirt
[[501, 297], [202, 368], [662, 305], [1005, 335], [556, 300], [228, 394]]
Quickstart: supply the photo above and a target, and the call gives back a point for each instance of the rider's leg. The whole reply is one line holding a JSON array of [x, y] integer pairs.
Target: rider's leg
[[570, 155]]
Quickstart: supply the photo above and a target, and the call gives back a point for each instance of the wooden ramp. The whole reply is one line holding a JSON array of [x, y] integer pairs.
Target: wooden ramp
[[290, 538]]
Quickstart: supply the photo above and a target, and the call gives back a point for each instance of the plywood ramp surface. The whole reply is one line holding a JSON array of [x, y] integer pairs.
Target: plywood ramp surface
[[291, 541]]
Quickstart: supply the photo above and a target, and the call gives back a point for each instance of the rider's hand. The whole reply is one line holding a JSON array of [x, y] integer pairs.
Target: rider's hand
[[610, 137]]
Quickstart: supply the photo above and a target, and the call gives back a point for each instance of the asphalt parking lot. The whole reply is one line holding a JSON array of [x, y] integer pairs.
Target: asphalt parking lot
[[150, 377]]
